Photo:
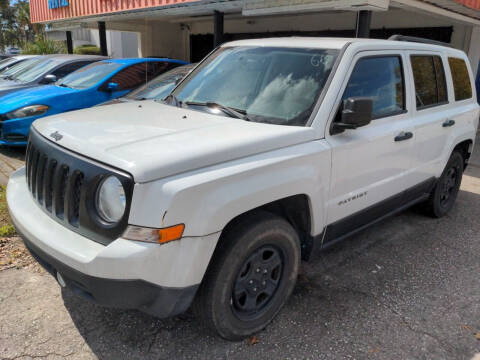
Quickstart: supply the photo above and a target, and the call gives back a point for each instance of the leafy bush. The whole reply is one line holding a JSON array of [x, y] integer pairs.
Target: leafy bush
[[42, 46], [87, 49]]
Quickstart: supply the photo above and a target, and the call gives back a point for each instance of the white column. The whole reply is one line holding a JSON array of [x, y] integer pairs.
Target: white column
[[474, 49]]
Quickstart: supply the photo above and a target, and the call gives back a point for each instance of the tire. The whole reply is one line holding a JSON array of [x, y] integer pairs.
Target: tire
[[445, 193], [244, 288]]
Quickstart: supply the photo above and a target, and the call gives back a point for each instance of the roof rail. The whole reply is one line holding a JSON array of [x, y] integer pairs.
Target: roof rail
[[417, 40]]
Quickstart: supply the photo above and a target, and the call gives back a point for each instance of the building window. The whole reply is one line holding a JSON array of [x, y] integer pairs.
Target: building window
[[381, 79], [429, 78], [461, 80]]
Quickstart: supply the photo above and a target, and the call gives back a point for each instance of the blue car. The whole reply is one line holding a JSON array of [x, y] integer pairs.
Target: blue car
[[91, 85]]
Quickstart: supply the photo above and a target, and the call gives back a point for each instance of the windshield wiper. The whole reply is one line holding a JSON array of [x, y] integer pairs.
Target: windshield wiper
[[63, 85], [232, 112]]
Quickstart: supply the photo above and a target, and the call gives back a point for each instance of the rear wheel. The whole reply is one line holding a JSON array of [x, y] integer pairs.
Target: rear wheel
[[252, 274], [446, 190]]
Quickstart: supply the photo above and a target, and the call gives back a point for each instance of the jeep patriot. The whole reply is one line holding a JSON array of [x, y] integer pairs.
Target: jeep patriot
[[267, 152]]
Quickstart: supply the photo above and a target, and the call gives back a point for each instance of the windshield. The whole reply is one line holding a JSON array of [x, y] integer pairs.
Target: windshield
[[19, 66], [161, 86], [36, 69], [267, 84], [8, 62], [89, 75]]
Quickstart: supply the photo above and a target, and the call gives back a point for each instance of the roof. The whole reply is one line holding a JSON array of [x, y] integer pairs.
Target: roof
[[21, 57], [331, 43], [67, 57], [131, 61]]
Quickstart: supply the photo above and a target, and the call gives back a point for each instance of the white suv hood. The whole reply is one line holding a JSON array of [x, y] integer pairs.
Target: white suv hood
[[152, 140]]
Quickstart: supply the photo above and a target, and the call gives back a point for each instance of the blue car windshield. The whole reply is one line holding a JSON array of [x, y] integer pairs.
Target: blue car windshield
[[265, 84], [37, 69], [89, 75]]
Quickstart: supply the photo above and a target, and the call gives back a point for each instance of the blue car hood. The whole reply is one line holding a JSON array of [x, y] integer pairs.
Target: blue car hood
[[39, 95]]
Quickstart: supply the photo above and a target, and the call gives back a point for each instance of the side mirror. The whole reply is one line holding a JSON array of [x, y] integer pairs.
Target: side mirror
[[49, 79], [112, 86], [356, 112]]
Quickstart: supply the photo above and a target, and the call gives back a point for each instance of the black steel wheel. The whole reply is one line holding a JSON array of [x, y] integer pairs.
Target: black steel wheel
[[448, 186], [445, 193], [251, 275], [257, 282]]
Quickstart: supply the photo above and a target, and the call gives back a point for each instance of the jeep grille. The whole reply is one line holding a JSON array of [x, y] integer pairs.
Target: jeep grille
[[64, 185]]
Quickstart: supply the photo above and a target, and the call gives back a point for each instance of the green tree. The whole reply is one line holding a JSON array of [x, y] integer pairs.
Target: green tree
[[15, 26]]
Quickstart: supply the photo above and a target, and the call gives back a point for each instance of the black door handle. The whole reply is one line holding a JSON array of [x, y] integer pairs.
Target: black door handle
[[448, 123], [403, 136]]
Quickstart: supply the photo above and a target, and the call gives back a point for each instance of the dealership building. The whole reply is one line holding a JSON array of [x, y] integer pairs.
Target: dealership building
[[189, 29]]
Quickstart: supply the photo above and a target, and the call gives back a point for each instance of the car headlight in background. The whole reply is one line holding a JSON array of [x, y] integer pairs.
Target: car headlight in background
[[26, 111], [111, 200]]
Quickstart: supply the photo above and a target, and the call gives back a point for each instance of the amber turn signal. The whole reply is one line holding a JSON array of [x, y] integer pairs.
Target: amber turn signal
[[171, 233], [160, 236]]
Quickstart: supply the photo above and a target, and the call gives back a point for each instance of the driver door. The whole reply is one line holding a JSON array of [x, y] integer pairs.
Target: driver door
[[372, 163]]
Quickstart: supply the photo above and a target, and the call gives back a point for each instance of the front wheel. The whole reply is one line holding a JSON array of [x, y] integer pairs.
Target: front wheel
[[252, 274], [446, 190]]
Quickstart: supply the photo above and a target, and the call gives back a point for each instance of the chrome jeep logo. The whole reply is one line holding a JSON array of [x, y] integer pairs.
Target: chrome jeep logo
[[355, 197], [56, 135]]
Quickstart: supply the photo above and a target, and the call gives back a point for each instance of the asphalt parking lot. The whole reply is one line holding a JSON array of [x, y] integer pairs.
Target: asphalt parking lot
[[408, 288]]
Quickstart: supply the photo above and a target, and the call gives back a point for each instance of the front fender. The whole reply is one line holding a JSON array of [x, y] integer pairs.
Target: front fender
[[205, 200]]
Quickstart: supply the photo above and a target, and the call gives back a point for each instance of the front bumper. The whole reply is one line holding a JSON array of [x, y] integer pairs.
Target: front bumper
[[16, 128], [126, 294], [158, 279]]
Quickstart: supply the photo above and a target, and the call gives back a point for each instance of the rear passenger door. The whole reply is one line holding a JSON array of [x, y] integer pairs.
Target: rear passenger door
[[372, 163], [432, 114]]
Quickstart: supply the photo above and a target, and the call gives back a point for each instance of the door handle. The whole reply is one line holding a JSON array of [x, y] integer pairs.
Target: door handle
[[448, 123], [403, 136]]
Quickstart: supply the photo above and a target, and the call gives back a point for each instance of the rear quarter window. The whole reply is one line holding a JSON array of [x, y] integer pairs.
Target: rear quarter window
[[461, 79], [429, 80]]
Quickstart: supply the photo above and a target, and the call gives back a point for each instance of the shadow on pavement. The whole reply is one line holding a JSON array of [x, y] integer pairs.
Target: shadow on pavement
[[17, 153], [401, 289]]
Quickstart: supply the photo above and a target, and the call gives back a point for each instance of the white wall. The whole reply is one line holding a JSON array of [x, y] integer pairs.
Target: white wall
[[474, 49]]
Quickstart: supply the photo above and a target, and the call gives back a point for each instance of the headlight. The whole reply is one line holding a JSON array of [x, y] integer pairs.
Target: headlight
[[111, 200], [26, 111]]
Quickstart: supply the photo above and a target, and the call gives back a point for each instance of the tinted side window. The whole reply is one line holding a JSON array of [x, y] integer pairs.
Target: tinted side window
[[429, 78], [138, 74], [69, 68], [381, 79], [157, 68], [461, 80]]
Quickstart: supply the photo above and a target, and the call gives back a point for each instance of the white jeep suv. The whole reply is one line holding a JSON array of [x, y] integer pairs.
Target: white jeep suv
[[268, 151]]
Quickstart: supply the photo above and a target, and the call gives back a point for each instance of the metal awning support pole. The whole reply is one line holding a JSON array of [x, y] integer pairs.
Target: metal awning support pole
[[103, 38], [364, 18], [69, 42], [217, 28]]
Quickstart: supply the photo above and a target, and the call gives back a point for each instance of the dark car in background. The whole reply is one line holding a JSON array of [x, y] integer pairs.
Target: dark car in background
[[43, 70], [158, 88]]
